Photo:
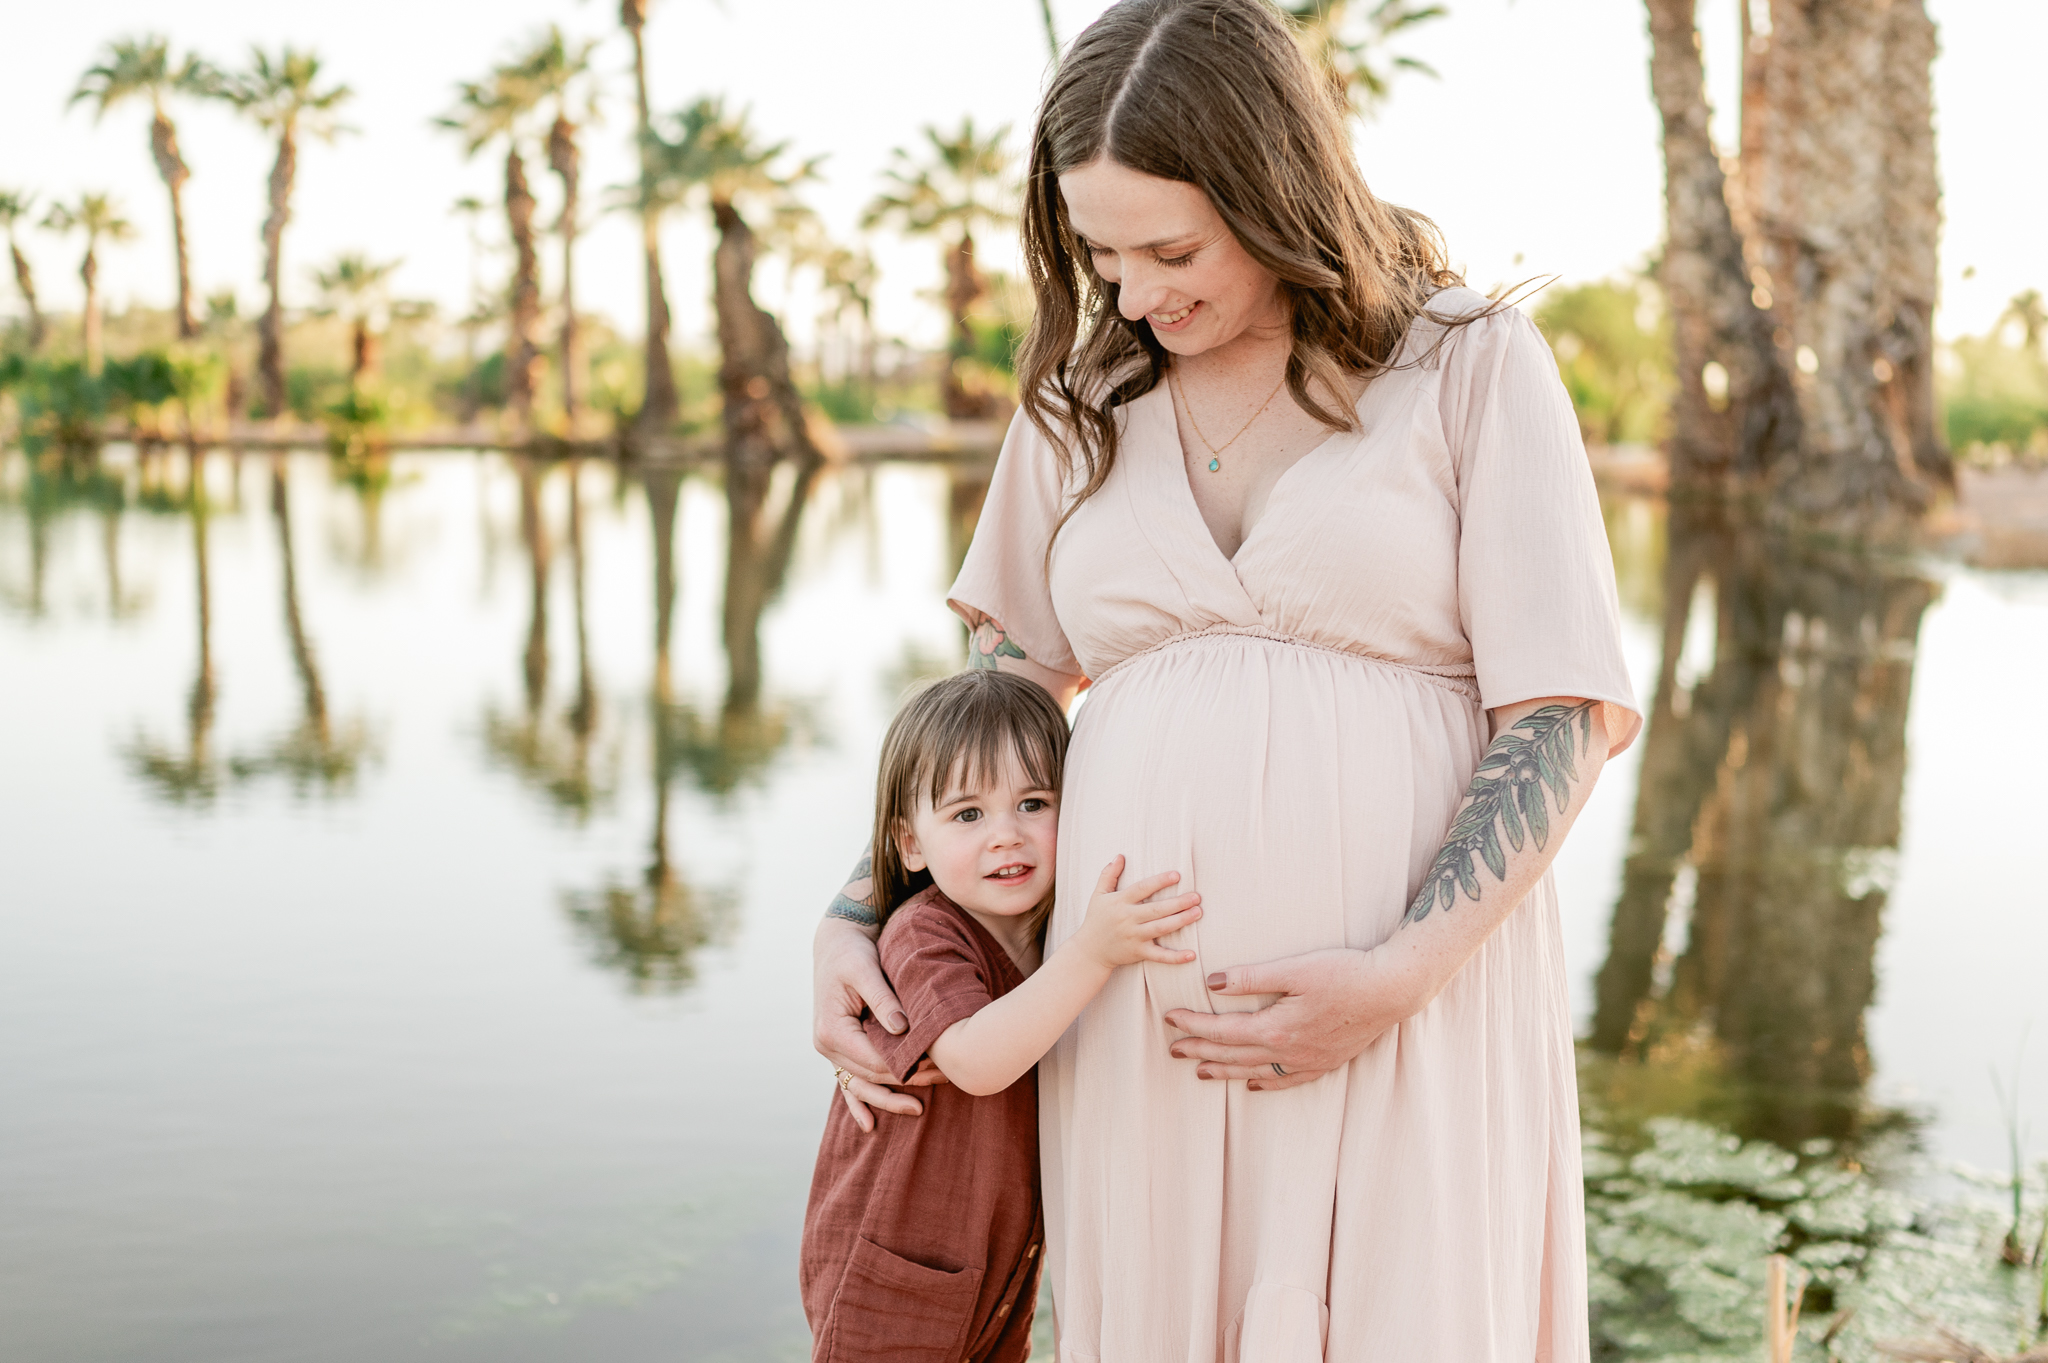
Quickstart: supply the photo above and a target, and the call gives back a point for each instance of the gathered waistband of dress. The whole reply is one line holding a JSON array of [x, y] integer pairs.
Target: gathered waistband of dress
[[1456, 677]]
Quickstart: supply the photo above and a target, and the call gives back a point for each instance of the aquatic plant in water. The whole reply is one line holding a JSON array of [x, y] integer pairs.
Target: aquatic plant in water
[[1679, 1232]]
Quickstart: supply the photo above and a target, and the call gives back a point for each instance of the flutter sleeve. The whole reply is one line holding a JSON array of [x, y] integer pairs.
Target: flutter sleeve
[[1535, 576], [1004, 576]]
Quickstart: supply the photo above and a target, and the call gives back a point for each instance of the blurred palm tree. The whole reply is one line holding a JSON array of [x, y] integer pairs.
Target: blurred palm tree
[[358, 290], [488, 111], [1052, 33], [281, 94], [553, 73], [2026, 310], [660, 407], [848, 276], [141, 68], [471, 210], [1350, 42], [99, 218], [14, 206], [717, 156], [963, 184]]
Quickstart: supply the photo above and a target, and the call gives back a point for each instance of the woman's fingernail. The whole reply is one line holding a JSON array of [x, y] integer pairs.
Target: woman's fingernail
[[896, 1023], [1217, 980]]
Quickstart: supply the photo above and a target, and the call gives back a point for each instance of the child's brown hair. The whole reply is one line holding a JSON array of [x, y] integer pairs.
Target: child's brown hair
[[966, 725]]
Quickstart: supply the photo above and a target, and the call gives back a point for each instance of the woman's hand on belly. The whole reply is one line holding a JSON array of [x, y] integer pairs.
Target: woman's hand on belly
[[1333, 1004], [1501, 841]]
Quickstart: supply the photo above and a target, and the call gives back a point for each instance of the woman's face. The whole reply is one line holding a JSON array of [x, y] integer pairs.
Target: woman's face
[[1175, 262]]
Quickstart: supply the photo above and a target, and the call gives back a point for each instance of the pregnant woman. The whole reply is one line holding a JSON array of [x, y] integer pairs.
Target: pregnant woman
[[1314, 526]]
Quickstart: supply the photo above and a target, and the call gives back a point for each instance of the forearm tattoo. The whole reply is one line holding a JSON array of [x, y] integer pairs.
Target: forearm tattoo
[[1537, 753], [861, 882], [988, 642]]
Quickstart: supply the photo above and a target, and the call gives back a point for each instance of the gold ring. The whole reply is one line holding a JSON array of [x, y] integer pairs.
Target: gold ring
[[844, 1077]]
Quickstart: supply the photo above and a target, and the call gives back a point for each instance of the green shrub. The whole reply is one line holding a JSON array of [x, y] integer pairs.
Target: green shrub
[[1994, 400], [1612, 340]]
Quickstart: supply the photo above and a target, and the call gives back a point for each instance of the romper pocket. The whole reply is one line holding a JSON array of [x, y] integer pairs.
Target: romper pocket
[[889, 1308]]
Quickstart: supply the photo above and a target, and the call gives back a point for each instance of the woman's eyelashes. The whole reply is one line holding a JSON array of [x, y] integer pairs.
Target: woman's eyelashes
[[1170, 262]]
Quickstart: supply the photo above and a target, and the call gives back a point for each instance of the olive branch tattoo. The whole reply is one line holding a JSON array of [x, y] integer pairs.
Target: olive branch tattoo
[[1537, 753]]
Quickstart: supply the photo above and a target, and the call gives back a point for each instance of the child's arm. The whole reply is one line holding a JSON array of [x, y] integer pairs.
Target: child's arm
[[990, 1051]]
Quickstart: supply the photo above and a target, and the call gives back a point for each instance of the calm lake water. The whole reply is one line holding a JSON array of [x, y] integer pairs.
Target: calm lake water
[[410, 869]]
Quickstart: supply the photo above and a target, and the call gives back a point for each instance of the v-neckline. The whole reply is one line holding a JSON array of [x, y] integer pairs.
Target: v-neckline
[[1185, 481]]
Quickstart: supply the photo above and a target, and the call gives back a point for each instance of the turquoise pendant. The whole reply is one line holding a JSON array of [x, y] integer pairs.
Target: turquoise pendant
[[1215, 464]]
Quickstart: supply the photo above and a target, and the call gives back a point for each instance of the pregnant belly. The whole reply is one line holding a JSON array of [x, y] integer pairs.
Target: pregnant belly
[[1302, 792]]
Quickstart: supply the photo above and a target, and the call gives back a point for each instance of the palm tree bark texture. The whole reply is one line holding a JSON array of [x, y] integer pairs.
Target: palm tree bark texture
[[764, 420], [660, 406], [565, 159], [270, 331], [523, 357], [1809, 279]]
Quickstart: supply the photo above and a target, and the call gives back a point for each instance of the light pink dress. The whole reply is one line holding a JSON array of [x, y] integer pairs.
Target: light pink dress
[[1292, 730]]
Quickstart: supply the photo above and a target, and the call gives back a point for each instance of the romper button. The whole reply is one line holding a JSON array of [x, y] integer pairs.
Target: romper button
[[1029, 1252], [1003, 1310]]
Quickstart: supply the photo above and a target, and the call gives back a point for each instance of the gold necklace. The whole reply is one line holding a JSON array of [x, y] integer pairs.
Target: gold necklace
[[1216, 451]]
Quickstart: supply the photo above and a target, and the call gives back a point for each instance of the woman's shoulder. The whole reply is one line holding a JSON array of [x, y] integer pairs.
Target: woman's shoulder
[[1461, 332]]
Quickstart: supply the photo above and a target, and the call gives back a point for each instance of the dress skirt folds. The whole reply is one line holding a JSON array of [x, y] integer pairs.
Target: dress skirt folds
[[1292, 730]]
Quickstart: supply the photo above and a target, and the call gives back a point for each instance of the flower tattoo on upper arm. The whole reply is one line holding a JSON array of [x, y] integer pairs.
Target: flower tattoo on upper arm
[[989, 641]]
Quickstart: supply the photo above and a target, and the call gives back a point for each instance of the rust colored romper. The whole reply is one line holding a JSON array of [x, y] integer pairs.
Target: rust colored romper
[[923, 1242]]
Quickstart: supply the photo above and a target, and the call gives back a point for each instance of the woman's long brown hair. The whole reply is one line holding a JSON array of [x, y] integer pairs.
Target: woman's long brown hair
[[1215, 93]]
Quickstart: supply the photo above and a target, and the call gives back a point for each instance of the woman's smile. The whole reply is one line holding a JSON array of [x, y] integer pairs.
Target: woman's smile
[[1172, 321]]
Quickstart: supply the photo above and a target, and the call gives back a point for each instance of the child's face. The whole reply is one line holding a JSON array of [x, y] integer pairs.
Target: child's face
[[989, 850]]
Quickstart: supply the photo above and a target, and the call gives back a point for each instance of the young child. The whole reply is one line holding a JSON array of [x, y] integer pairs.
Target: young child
[[922, 1240]]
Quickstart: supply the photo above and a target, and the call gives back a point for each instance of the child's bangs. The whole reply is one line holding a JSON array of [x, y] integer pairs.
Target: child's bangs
[[976, 756]]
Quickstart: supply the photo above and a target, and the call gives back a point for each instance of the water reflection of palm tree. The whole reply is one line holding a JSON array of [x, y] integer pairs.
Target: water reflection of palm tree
[[194, 775], [316, 752], [1772, 784], [559, 764], [651, 929]]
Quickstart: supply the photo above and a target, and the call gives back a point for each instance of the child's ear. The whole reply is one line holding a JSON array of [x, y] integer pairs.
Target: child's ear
[[907, 848]]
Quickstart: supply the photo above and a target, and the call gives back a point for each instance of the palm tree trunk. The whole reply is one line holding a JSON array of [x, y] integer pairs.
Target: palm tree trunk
[[163, 144], [89, 271], [363, 352], [522, 353], [270, 332], [964, 288], [660, 406], [764, 421], [1717, 444], [1842, 199], [566, 161], [25, 280]]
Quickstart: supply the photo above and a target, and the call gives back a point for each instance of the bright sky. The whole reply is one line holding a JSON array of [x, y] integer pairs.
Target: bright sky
[[1536, 151]]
